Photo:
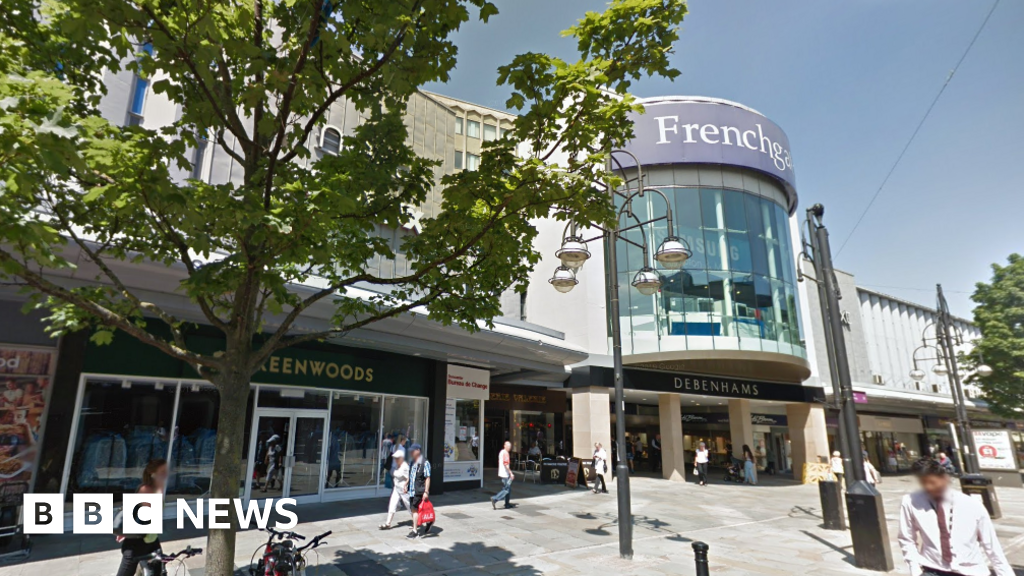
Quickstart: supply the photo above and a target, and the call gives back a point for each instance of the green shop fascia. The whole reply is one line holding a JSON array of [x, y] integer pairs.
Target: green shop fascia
[[339, 412]]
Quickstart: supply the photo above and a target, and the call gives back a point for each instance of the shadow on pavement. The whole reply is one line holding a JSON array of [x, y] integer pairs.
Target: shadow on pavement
[[847, 555], [426, 562]]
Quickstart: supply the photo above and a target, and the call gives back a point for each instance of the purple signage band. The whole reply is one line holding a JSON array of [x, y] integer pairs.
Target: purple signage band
[[694, 130]]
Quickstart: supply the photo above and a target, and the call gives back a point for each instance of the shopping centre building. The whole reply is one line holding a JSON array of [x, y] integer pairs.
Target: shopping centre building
[[718, 353], [902, 418]]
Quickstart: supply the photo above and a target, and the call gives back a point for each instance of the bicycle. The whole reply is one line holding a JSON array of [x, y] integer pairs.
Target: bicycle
[[283, 558], [155, 564]]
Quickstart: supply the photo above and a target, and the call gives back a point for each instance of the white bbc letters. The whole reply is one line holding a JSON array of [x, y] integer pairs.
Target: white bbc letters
[[93, 513], [143, 514], [185, 510], [44, 513], [220, 508]]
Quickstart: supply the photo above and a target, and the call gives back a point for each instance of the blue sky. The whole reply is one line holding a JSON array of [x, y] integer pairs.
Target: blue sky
[[848, 82]]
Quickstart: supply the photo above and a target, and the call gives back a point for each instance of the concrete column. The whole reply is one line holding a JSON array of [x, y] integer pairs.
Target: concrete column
[[741, 429], [591, 420], [672, 455], [807, 435]]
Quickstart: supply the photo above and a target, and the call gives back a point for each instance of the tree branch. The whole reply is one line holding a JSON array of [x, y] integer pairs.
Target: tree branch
[[108, 317]]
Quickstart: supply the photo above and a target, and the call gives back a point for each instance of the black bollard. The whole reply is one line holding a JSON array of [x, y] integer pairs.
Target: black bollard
[[700, 558]]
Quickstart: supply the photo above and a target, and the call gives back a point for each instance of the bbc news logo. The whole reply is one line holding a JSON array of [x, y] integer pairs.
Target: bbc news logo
[[144, 513]]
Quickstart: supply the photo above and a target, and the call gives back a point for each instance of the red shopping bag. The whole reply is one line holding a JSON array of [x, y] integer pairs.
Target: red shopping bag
[[426, 512]]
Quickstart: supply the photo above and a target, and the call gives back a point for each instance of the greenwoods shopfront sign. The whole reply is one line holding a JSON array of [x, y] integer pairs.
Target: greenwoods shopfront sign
[[324, 366]]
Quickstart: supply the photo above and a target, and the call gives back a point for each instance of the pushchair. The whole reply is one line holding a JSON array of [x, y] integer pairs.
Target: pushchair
[[734, 471]]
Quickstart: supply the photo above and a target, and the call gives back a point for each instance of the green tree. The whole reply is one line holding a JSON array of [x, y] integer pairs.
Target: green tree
[[256, 78], [1000, 316]]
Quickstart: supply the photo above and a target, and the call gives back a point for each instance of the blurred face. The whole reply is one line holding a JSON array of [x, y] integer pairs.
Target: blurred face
[[414, 454], [398, 459], [160, 477], [935, 485], [508, 445]]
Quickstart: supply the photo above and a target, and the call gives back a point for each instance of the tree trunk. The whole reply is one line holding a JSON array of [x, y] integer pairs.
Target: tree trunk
[[234, 393]]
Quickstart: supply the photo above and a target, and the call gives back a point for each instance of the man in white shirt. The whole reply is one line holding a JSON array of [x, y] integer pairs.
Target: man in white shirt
[[955, 533], [506, 475]]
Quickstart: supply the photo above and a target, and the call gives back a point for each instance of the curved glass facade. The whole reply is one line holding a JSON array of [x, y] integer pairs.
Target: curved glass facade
[[737, 291]]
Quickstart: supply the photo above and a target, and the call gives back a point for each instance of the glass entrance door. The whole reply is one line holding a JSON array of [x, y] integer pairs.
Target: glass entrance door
[[287, 454]]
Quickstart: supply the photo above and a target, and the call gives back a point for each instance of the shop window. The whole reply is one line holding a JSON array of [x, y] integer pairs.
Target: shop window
[[405, 424], [354, 453], [194, 442], [533, 434], [467, 431], [122, 426]]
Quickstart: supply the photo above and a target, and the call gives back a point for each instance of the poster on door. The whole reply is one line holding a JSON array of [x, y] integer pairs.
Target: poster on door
[[995, 450], [25, 374]]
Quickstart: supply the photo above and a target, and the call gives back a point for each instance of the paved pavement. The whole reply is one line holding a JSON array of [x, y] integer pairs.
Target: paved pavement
[[773, 528]]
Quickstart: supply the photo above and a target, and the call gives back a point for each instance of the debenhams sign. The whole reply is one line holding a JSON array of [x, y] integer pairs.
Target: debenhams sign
[[713, 386], [695, 132]]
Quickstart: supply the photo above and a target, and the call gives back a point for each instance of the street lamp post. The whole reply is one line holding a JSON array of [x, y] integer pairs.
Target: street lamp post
[[947, 337], [868, 529], [671, 254]]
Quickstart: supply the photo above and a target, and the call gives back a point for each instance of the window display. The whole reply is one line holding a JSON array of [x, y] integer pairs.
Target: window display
[[122, 425], [353, 454], [125, 423], [405, 424]]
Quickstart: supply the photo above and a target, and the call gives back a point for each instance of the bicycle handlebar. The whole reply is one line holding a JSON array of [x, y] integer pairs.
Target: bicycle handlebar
[[317, 541], [188, 552], [282, 535]]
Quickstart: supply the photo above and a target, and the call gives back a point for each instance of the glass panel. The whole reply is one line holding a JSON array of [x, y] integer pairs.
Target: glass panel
[[739, 252], [458, 159], [353, 455], [735, 210], [139, 95], [490, 132], [533, 434], [405, 424], [307, 448], [747, 319], [467, 431], [458, 125], [472, 161], [755, 230], [473, 129], [721, 317], [290, 397], [122, 426], [272, 438], [195, 441]]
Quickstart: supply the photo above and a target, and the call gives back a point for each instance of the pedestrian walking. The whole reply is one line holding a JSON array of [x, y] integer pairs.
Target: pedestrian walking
[[506, 476], [600, 467], [749, 466], [871, 473], [400, 489], [274, 460], [700, 463], [837, 466], [656, 452], [419, 489], [944, 532], [629, 454], [947, 463]]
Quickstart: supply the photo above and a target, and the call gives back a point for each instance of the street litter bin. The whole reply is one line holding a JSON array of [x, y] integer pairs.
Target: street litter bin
[[978, 486]]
